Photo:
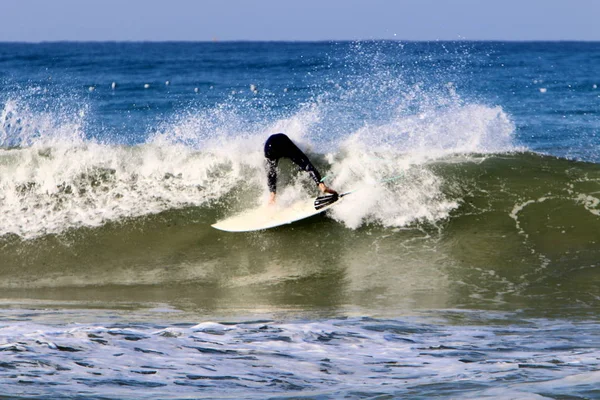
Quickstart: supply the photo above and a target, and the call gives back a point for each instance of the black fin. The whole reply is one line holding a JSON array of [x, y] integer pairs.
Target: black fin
[[323, 201]]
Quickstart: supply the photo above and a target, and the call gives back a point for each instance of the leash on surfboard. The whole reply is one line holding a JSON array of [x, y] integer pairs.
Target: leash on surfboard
[[325, 200]]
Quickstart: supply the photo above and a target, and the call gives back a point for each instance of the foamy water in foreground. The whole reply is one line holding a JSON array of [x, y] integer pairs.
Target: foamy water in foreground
[[500, 356]]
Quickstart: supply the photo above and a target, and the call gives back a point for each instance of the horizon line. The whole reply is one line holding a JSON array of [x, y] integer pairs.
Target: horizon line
[[216, 41]]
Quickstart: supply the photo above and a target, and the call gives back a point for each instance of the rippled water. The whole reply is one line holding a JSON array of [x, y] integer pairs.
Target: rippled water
[[433, 355]]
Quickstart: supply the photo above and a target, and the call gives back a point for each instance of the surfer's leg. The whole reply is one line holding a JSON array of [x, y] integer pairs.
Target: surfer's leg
[[305, 164], [273, 151], [300, 159]]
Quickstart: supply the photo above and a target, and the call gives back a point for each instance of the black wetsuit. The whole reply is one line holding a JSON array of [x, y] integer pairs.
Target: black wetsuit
[[279, 145]]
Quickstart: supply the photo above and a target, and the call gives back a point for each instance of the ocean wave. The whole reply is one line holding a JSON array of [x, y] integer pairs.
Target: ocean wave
[[475, 230], [55, 178]]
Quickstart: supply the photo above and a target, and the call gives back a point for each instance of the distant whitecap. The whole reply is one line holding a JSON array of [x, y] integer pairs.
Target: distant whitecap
[[113, 85], [146, 85], [196, 90], [543, 90], [167, 83], [91, 88], [594, 86]]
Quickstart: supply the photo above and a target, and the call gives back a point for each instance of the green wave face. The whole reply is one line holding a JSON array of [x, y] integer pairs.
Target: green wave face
[[523, 233]]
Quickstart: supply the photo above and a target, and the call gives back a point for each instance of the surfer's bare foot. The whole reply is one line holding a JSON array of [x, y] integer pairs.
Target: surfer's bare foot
[[325, 189], [272, 199]]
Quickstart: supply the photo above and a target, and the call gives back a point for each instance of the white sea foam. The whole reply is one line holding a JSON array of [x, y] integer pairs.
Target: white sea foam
[[390, 162]]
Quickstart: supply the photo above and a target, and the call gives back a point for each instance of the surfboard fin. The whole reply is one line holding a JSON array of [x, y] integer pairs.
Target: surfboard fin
[[323, 201]]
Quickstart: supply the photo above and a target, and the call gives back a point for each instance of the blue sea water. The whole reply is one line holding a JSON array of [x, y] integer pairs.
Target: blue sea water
[[465, 266]]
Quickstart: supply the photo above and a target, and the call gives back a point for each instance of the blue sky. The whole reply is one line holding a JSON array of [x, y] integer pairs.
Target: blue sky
[[205, 20]]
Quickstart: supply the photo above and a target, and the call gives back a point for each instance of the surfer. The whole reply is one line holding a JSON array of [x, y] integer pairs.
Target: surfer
[[278, 146]]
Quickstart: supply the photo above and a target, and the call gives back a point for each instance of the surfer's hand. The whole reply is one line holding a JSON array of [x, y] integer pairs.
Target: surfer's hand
[[323, 187]]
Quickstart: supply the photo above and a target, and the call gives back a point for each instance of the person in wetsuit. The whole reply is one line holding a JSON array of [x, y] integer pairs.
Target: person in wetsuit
[[278, 146]]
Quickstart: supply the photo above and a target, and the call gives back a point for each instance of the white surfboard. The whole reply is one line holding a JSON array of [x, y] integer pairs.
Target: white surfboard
[[270, 216]]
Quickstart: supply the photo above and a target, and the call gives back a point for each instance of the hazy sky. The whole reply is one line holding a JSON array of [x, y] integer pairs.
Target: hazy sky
[[156, 20]]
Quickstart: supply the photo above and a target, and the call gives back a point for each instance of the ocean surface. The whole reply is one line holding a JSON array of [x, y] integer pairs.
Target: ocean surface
[[465, 265]]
